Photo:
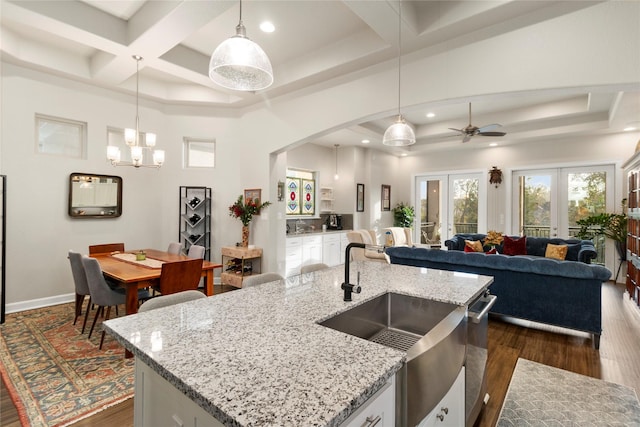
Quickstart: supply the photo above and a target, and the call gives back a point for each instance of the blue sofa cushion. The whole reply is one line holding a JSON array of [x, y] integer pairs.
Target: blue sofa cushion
[[520, 263]]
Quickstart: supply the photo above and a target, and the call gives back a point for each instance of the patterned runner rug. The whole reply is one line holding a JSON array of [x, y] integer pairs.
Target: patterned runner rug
[[541, 395], [55, 375]]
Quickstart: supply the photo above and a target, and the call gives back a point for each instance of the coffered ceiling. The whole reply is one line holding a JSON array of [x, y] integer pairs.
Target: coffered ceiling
[[314, 43]]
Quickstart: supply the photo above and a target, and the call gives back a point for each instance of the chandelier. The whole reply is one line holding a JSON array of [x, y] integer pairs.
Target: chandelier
[[132, 139], [399, 134], [240, 64]]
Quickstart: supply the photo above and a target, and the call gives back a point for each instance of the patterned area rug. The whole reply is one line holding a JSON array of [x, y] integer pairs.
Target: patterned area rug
[[55, 375], [541, 395]]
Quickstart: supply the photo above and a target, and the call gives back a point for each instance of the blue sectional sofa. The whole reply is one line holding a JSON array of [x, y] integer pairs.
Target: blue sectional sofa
[[559, 293], [579, 250]]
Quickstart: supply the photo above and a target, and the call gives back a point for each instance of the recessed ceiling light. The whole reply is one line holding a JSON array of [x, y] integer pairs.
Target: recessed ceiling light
[[365, 141], [403, 155], [629, 128], [267, 27], [431, 115], [493, 144]]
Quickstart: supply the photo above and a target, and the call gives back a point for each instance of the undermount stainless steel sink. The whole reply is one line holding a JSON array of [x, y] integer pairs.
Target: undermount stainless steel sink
[[432, 333]]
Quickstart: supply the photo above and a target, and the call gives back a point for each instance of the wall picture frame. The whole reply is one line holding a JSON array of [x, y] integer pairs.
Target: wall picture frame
[[359, 197], [385, 198], [253, 194]]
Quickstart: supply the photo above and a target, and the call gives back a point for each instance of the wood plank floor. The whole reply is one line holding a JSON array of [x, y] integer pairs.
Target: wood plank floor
[[617, 360]]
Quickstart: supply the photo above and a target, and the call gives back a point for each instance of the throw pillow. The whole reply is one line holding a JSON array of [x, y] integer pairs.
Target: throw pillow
[[473, 245], [513, 246], [556, 251]]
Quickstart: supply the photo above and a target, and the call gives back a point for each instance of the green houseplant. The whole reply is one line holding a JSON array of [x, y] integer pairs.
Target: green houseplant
[[403, 215], [610, 225]]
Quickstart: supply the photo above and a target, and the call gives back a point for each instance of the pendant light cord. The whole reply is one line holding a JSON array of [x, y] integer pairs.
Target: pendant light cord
[[399, 49], [137, 58]]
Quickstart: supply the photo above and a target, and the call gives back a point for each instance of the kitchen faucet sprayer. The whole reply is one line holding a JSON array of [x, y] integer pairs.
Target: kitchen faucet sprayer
[[347, 286]]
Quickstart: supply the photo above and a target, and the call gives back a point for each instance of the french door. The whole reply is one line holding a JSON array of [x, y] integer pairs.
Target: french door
[[448, 205], [549, 202]]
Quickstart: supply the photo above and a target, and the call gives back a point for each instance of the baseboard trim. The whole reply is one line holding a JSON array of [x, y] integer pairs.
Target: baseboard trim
[[15, 307], [40, 302]]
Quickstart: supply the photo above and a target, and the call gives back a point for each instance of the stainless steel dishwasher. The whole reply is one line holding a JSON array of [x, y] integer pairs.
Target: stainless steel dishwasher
[[476, 360]]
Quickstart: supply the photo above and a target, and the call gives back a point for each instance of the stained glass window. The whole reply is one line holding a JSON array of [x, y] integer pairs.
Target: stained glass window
[[300, 192]]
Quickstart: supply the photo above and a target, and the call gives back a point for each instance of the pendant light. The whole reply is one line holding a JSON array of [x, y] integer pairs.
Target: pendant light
[[399, 134], [336, 176], [132, 138], [240, 64]]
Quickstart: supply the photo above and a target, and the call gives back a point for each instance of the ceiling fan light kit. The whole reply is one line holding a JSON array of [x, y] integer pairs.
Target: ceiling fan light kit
[[471, 130], [399, 134], [240, 64]]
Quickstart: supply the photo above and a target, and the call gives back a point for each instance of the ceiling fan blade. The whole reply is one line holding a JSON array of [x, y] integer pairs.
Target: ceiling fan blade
[[492, 133], [457, 130], [489, 127], [467, 138]]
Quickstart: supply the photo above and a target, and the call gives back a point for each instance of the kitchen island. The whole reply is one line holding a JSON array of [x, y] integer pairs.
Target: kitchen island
[[257, 356]]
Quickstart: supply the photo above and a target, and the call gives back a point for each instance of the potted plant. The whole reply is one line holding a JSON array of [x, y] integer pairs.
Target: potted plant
[[610, 225], [403, 215], [245, 211]]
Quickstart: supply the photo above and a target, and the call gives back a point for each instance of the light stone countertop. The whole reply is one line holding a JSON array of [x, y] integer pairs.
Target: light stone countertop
[[257, 356]]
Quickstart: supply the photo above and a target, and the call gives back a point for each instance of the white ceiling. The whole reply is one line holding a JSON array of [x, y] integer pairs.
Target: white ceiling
[[314, 42]]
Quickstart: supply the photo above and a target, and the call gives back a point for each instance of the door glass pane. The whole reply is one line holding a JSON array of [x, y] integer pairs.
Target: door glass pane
[[465, 205], [586, 197], [535, 205], [430, 232]]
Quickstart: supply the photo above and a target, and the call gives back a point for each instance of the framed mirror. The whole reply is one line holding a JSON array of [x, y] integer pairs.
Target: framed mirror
[[95, 196]]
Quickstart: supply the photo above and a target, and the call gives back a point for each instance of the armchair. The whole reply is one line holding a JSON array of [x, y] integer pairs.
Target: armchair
[[368, 237], [399, 236]]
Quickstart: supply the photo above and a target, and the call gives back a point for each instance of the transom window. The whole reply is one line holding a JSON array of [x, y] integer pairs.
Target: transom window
[[62, 137]]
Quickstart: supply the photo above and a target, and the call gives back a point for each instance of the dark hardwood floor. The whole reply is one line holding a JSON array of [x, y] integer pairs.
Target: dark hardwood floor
[[617, 360]]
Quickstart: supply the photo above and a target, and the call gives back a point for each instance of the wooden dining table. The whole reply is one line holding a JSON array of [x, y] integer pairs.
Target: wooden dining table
[[133, 276]]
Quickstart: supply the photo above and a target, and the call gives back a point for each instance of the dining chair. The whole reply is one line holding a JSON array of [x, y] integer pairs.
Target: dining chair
[[313, 267], [106, 248], [196, 251], [81, 285], [174, 248], [257, 279], [166, 300], [101, 294], [180, 276]]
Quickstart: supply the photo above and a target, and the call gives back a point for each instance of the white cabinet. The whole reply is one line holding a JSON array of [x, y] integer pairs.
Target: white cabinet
[[311, 249], [344, 241], [158, 403], [378, 411], [314, 248], [450, 411], [293, 256], [331, 254]]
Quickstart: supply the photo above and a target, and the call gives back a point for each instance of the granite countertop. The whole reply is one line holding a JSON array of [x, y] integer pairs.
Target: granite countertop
[[257, 356]]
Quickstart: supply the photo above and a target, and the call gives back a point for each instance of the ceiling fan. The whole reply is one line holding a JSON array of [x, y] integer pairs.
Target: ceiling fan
[[471, 130]]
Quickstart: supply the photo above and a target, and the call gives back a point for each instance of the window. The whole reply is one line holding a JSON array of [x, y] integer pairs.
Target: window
[[62, 137], [301, 192], [199, 153]]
